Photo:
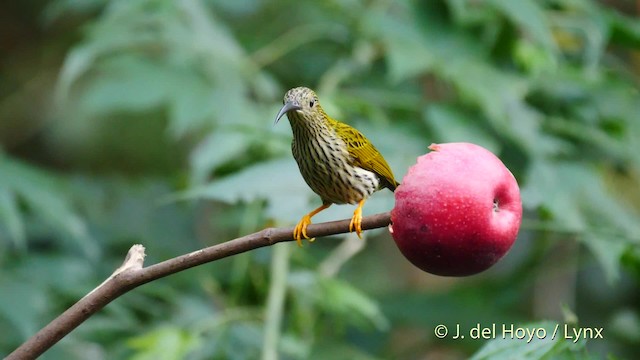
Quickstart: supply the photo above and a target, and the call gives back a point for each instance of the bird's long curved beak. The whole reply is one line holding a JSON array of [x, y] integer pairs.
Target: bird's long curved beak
[[288, 106]]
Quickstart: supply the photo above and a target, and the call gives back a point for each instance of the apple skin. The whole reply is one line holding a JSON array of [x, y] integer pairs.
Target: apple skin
[[458, 210]]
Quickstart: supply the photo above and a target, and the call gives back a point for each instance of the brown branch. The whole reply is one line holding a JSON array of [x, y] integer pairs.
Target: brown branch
[[131, 275]]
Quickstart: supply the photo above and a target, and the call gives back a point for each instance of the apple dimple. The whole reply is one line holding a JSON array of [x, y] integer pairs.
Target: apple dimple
[[457, 211]]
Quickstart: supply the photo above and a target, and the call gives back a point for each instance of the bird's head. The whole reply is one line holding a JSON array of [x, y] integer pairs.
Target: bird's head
[[301, 103]]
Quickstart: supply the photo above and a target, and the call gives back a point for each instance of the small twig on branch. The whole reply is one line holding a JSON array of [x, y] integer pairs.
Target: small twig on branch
[[131, 275], [133, 261]]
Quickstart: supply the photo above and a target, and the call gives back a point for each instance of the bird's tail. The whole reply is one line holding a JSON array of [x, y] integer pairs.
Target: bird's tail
[[392, 186]]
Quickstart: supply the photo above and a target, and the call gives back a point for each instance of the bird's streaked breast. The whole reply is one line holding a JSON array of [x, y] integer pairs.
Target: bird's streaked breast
[[326, 166]]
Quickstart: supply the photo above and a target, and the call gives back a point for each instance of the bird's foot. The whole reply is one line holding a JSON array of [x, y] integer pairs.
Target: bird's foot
[[356, 222], [300, 231]]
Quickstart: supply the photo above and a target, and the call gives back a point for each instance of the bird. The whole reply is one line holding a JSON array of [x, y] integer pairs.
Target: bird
[[336, 160]]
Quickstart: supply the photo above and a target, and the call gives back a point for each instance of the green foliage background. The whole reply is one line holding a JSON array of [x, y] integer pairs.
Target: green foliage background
[[150, 121]]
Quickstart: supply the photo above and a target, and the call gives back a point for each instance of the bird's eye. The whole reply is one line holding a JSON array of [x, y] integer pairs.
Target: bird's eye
[[311, 103]]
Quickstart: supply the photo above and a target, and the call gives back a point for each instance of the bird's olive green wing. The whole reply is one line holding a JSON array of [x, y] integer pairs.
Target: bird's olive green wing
[[365, 155]]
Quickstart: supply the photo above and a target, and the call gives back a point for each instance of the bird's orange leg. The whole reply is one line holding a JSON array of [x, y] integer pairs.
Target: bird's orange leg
[[300, 230], [356, 220]]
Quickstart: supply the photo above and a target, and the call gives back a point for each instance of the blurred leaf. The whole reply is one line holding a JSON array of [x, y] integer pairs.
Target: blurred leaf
[[534, 58], [338, 299], [277, 181], [167, 342], [553, 186], [190, 110], [46, 197], [73, 275], [406, 51], [229, 336], [119, 28], [129, 83], [608, 250], [451, 125], [625, 30], [150, 54], [530, 16], [467, 13], [545, 347], [242, 341], [10, 215], [339, 351], [344, 300], [626, 324], [22, 305], [464, 305], [500, 96], [580, 203], [218, 148], [127, 211], [57, 9], [455, 57]]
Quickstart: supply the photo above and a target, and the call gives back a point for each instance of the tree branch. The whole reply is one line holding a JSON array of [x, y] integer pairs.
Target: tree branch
[[132, 274]]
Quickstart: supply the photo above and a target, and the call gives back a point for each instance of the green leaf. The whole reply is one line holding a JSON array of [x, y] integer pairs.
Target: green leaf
[[120, 30], [343, 299], [277, 181], [501, 98], [337, 298], [331, 350], [534, 58], [218, 148], [59, 8], [452, 125], [626, 325], [553, 187], [406, 53], [580, 203], [130, 83], [540, 347], [191, 106], [457, 57], [467, 13], [45, 196], [608, 250], [413, 49], [73, 275], [23, 305], [530, 16], [167, 342], [625, 30], [10, 215]]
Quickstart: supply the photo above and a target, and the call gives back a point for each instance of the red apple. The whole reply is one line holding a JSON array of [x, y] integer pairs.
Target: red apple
[[457, 211]]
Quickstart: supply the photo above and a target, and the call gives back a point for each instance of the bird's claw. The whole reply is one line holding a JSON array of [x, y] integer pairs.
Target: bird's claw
[[300, 231], [356, 222]]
